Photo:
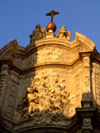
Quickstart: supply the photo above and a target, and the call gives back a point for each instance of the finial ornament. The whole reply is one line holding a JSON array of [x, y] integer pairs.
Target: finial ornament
[[51, 26], [51, 14]]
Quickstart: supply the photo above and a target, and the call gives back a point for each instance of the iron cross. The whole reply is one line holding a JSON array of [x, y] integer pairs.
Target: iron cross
[[51, 14]]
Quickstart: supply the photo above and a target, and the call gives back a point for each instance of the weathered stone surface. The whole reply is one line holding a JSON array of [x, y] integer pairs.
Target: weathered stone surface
[[37, 34], [44, 83]]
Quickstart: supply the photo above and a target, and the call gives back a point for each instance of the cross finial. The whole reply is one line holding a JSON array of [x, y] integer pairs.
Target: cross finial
[[51, 14]]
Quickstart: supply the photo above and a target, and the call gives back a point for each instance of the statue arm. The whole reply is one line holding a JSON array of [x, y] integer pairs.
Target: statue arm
[[30, 35], [58, 33]]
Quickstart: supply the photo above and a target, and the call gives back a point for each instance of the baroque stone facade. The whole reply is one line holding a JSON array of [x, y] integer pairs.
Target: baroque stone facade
[[52, 85]]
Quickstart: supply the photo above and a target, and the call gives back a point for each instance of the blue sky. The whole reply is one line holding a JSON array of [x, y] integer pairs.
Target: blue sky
[[18, 18]]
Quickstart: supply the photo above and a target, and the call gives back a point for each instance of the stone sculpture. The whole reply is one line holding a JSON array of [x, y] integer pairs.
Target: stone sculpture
[[63, 34], [51, 89], [37, 34]]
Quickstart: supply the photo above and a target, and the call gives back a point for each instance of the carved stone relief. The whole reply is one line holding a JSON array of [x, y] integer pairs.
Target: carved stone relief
[[47, 94], [48, 98], [10, 95], [50, 54], [86, 72], [3, 81]]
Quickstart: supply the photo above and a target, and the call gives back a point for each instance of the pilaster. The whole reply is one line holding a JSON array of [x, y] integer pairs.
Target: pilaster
[[3, 81], [86, 72]]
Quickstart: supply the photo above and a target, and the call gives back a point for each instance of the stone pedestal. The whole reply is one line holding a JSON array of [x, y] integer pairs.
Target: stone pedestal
[[50, 34], [87, 116]]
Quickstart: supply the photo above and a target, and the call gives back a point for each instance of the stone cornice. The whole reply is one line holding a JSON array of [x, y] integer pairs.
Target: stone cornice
[[14, 48], [87, 42], [19, 127]]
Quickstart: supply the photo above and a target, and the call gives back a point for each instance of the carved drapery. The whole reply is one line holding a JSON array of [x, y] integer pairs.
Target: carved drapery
[[48, 95]]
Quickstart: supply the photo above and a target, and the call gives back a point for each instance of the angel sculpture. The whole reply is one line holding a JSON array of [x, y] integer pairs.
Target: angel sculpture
[[63, 34]]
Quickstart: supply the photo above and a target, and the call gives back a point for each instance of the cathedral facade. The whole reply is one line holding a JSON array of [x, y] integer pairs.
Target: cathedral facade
[[50, 86]]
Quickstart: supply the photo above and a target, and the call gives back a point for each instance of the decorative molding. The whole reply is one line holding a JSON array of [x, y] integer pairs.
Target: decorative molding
[[3, 82]]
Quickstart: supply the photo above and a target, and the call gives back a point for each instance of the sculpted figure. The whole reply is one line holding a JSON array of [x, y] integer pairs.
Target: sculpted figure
[[32, 99], [47, 93], [37, 34], [64, 34], [43, 31]]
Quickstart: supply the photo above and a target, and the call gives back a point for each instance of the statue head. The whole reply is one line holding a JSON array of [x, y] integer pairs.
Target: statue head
[[29, 90], [38, 26], [63, 28]]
